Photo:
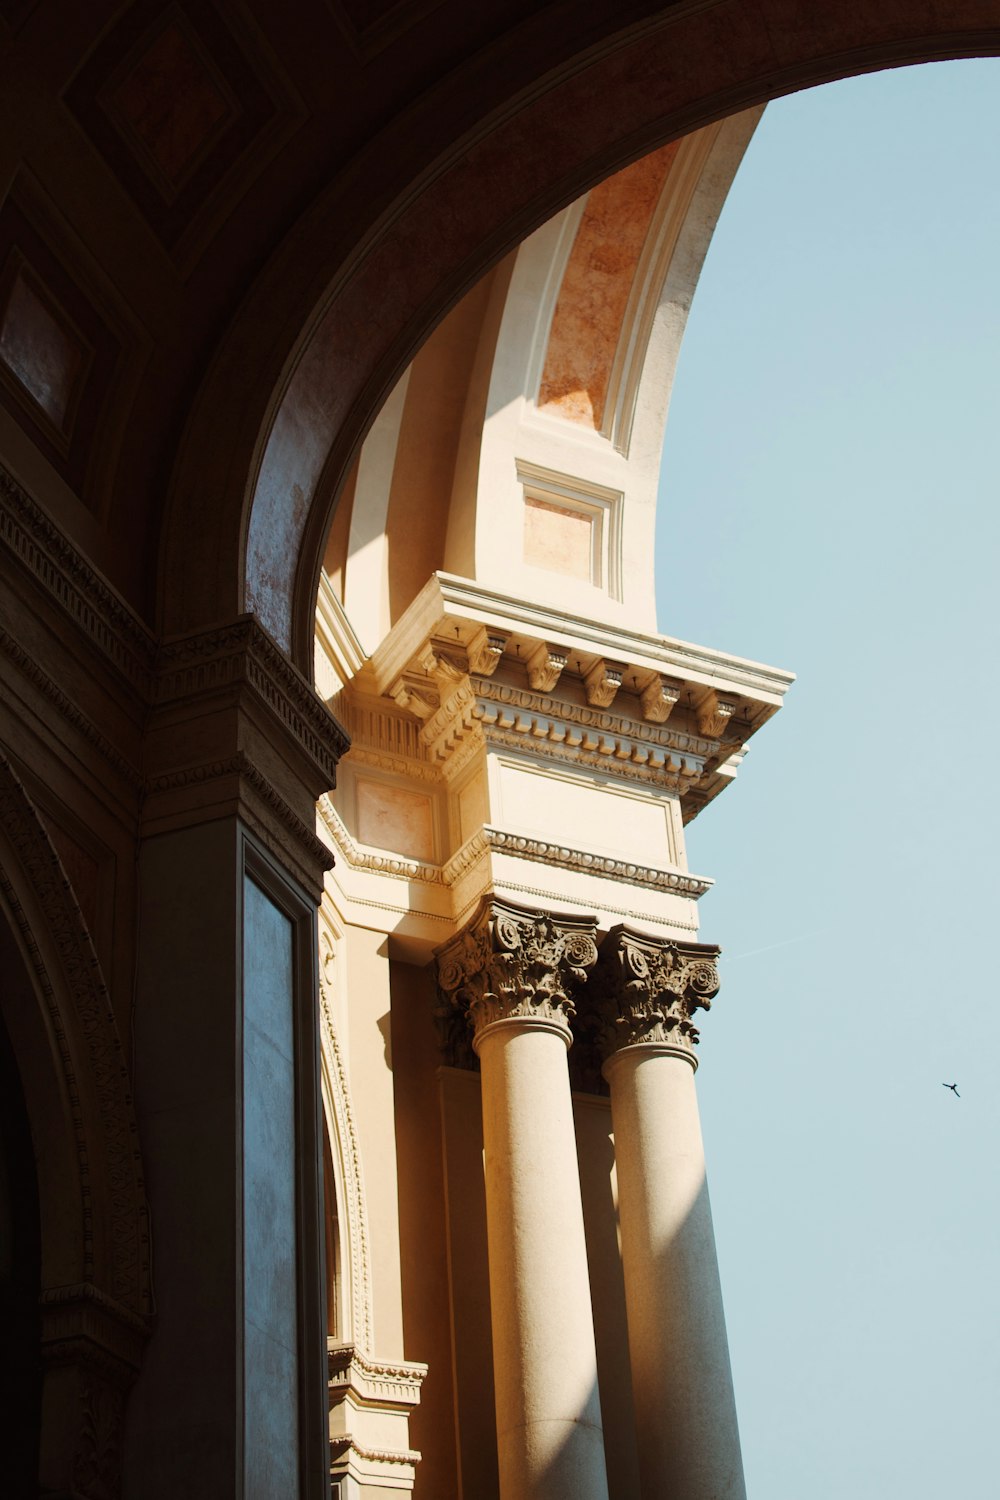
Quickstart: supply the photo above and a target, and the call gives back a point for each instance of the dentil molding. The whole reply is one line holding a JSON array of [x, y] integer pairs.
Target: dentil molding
[[466, 669]]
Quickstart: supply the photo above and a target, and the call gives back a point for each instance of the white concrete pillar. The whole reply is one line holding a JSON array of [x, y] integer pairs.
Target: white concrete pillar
[[513, 973], [686, 1428]]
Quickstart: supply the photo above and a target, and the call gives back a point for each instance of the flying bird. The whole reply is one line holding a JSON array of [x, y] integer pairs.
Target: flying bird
[[953, 1087]]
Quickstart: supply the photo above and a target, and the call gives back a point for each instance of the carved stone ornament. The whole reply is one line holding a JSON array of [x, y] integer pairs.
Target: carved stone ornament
[[415, 696], [545, 667], [602, 682], [646, 990], [485, 651], [514, 964], [658, 698], [713, 716]]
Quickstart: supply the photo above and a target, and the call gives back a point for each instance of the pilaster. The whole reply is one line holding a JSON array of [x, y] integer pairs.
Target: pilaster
[[370, 1403], [235, 730]]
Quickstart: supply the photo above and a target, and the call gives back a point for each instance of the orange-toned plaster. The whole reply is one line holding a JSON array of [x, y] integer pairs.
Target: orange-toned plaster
[[593, 298]]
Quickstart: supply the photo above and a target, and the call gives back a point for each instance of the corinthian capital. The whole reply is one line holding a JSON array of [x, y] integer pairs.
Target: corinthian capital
[[645, 990], [513, 964]]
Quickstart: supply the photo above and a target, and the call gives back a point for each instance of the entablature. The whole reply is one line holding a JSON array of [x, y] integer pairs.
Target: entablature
[[466, 668]]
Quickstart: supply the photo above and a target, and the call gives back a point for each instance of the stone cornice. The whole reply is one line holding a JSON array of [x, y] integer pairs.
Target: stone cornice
[[450, 608], [379, 861], [208, 661], [514, 965], [466, 669], [616, 734], [502, 841], [100, 614], [240, 768], [83, 1314], [393, 1384], [644, 991], [606, 865], [223, 716], [265, 745], [71, 712], [346, 1442], [243, 653]]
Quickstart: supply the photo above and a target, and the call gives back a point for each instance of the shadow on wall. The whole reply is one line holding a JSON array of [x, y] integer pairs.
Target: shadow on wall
[[20, 1271]]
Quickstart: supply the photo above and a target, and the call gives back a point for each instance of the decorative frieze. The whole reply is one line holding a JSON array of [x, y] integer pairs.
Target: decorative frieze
[[623, 757], [372, 1380], [646, 990], [511, 964], [471, 670], [244, 654], [608, 866], [618, 725], [99, 613]]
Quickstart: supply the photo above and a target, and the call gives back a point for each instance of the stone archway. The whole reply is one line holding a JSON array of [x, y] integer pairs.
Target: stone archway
[[96, 1294], [344, 310]]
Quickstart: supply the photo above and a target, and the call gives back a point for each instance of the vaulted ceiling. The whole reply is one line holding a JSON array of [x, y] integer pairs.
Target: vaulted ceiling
[[199, 198]]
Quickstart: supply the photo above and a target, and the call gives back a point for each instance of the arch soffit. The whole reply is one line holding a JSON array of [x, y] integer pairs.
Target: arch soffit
[[93, 1207], [275, 477]]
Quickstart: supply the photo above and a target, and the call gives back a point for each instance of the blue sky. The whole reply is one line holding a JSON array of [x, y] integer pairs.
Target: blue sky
[[829, 504]]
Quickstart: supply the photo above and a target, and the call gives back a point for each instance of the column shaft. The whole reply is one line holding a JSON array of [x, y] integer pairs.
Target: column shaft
[[512, 974], [549, 1436], [687, 1432]]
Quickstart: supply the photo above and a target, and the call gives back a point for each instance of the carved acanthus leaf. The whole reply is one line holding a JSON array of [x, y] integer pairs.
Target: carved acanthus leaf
[[545, 666], [714, 714], [512, 963], [647, 990], [658, 697], [416, 696], [485, 651], [602, 682]]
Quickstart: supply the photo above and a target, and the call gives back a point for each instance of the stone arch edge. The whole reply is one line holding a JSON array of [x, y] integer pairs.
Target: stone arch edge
[[276, 519]]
